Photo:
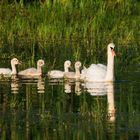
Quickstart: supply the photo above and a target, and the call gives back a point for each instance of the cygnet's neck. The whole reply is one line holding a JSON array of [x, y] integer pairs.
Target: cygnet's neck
[[39, 69], [77, 72], [66, 69], [110, 67], [14, 71]]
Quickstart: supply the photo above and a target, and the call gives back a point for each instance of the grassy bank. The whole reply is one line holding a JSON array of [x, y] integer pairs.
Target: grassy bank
[[45, 26]]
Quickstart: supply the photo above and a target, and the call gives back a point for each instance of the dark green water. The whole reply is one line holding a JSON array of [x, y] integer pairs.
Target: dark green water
[[58, 110]]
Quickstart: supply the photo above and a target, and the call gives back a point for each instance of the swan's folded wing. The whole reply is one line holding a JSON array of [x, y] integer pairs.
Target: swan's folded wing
[[102, 66], [96, 72]]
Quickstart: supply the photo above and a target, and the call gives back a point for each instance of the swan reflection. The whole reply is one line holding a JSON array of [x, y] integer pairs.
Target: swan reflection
[[110, 100], [95, 88], [102, 89]]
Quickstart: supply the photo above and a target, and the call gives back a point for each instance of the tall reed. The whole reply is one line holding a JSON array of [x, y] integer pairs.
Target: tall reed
[[24, 26]]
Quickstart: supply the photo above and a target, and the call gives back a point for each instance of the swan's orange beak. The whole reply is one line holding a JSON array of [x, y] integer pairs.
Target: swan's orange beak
[[113, 52]]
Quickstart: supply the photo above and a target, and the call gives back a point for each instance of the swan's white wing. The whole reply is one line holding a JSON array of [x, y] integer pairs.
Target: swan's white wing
[[56, 74], [102, 66], [95, 72]]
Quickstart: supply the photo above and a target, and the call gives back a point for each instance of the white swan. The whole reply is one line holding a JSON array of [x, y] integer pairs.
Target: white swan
[[33, 72], [59, 73], [100, 72], [6, 72], [74, 75]]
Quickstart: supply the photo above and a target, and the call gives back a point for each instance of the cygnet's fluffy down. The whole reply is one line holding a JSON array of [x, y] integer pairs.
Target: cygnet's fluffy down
[[59, 73], [6, 72], [33, 72]]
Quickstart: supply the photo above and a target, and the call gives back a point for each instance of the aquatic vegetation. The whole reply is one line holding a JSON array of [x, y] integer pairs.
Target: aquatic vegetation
[[35, 29]]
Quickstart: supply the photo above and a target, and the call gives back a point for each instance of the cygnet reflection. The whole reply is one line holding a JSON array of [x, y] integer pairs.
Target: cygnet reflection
[[77, 88], [55, 81], [68, 87], [39, 82], [40, 85], [14, 84]]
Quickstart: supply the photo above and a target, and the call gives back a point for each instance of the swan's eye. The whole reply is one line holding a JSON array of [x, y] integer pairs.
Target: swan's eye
[[111, 48]]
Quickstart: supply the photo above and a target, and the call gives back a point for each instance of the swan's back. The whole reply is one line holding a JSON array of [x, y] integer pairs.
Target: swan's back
[[102, 66], [96, 72]]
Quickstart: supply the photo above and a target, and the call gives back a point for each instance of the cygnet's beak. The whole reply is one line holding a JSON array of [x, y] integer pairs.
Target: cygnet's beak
[[20, 62]]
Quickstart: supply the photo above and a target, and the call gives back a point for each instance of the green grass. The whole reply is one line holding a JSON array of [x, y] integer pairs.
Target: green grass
[[46, 27]]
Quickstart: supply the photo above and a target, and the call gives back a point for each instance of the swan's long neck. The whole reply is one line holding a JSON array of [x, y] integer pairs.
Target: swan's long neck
[[110, 67], [14, 71]]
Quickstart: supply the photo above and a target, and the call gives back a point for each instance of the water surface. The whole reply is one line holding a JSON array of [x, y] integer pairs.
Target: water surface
[[44, 109]]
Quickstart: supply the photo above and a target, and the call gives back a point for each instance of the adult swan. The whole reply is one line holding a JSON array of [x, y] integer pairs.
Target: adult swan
[[100, 72]]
